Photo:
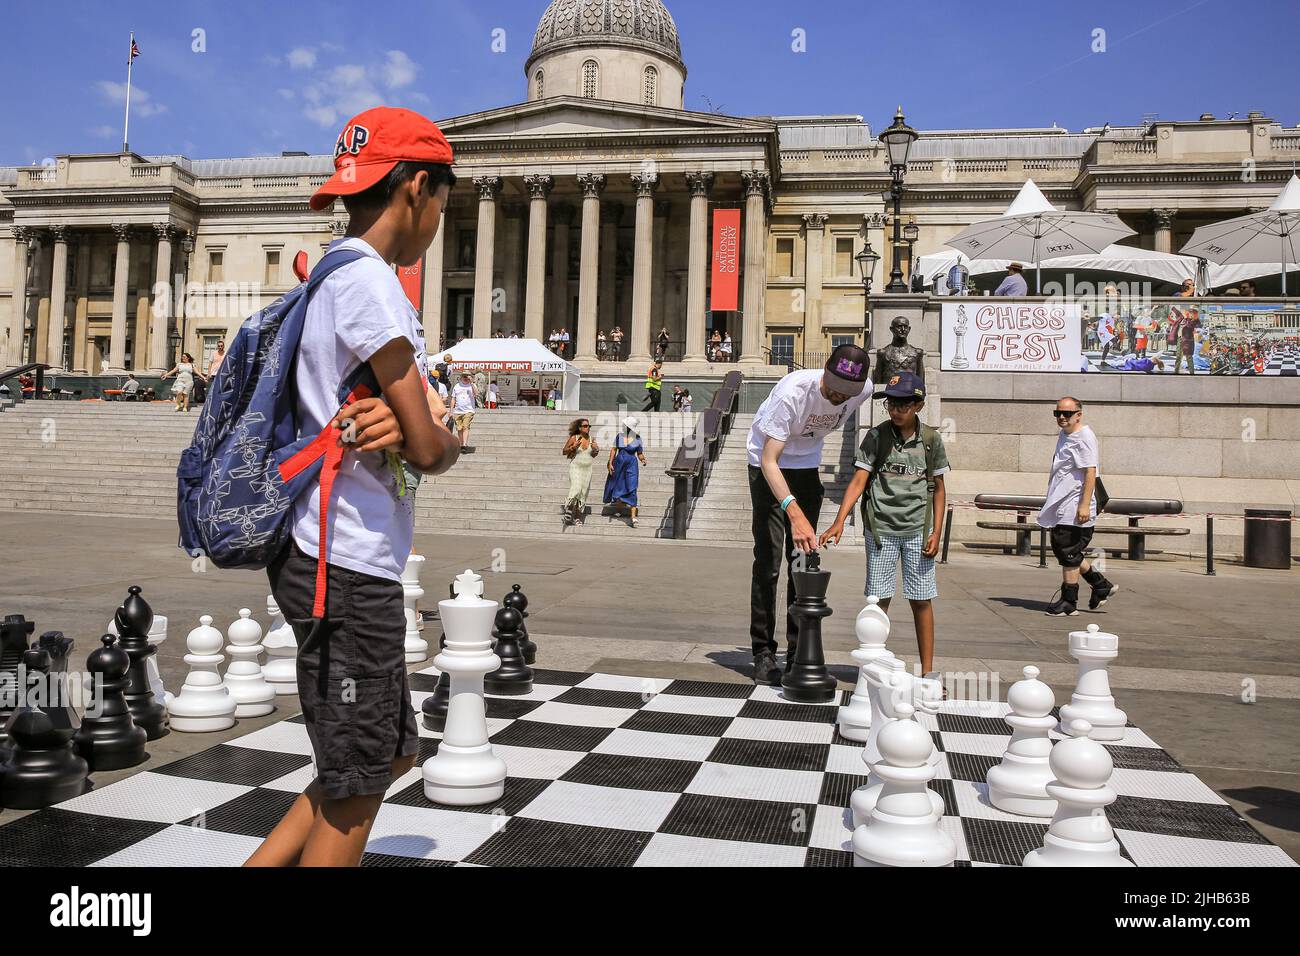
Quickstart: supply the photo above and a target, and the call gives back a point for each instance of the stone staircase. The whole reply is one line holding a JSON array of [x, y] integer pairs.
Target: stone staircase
[[723, 513], [120, 459]]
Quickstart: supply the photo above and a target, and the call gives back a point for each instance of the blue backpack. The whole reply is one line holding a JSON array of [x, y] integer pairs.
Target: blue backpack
[[238, 480]]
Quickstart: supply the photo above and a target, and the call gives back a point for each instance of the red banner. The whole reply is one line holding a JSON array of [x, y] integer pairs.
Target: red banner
[[726, 260], [412, 285]]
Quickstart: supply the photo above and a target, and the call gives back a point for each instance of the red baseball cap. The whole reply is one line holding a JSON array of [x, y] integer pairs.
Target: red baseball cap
[[375, 141]]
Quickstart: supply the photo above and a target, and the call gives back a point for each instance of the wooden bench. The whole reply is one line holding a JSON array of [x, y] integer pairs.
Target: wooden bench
[[1133, 508]]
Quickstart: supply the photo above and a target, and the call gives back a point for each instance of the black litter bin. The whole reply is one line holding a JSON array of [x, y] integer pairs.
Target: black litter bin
[[1268, 542]]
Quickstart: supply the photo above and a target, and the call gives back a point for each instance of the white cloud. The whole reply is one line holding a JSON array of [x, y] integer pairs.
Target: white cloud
[[142, 104], [334, 93], [302, 58], [399, 70], [104, 131]]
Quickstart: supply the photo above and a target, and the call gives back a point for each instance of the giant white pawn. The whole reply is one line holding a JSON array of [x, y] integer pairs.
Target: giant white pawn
[[903, 828], [417, 648], [465, 772], [254, 697], [872, 628], [1019, 783], [890, 686], [203, 705], [1094, 649], [281, 670], [1080, 834]]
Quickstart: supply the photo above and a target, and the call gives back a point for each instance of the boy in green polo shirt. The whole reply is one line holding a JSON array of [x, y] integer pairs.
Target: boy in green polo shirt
[[900, 465]]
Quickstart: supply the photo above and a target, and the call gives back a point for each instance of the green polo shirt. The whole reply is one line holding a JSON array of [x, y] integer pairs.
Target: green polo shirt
[[899, 492]]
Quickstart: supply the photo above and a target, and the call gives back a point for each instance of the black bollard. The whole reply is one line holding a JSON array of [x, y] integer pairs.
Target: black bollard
[[807, 681]]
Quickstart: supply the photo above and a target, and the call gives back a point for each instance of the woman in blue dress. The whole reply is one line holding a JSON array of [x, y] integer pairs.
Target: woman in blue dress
[[625, 459]]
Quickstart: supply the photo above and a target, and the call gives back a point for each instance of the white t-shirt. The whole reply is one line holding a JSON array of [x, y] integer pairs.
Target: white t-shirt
[[462, 397], [353, 314], [800, 415], [1074, 455]]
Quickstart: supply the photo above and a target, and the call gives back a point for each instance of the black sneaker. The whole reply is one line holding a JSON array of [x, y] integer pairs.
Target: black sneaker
[[766, 670], [1063, 606], [1101, 594]]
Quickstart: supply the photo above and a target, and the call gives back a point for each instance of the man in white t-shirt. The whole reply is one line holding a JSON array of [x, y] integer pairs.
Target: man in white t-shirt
[[1070, 509], [464, 399], [785, 488]]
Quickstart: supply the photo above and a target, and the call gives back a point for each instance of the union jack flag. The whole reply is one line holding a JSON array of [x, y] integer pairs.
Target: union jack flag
[[135, 51]]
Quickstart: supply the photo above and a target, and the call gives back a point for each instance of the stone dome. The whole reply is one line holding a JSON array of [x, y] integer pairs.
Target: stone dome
[[639, 24]]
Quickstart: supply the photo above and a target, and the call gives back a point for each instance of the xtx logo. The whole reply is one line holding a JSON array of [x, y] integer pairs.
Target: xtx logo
[[75, 909]]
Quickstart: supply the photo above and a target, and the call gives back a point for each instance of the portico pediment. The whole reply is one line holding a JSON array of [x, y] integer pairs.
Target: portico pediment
[[573, 116]]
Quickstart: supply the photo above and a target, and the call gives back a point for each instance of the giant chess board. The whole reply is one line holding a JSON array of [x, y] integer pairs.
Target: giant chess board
[[628, 771]]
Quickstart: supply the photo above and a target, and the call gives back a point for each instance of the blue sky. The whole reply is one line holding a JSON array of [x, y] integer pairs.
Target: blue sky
[[277, 76]]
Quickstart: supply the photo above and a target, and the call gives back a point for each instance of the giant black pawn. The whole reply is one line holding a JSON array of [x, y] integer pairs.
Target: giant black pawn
[[514, 677], [519, 601], [108, 738], [14, 633], [807, 681], [134, 618], [42, 769], [434, 708]]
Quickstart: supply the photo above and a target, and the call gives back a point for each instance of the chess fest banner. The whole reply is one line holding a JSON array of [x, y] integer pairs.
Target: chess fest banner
[[976, 336], [724, 292]]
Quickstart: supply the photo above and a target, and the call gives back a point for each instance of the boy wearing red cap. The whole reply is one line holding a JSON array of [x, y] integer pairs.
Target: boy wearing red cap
[[393, 173]]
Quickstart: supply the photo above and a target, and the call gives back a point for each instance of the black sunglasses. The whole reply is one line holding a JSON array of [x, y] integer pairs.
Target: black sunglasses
[[1064, 413]]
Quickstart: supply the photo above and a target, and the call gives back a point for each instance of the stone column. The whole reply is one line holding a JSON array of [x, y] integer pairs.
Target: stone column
[[645, 184], [659, 271], [512, 269], [433, 263], [539, 187], [755, 258], [698, 265], [41, 270], [561, 244], [814, 237], [182, 302], [121, 277], [58, 298], [81, 321], [160, 302], [1164, 220], [593, 184], [611, 216], [18, 316], [489, 187]]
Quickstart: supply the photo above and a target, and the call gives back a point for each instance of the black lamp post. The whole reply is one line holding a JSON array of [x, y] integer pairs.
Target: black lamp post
[[898, 140], [866, 260]]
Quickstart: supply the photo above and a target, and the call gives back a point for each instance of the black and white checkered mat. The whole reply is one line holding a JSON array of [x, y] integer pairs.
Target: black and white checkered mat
[[628, 771]]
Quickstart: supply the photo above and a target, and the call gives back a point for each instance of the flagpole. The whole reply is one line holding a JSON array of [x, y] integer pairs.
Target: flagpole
[[126, 123]]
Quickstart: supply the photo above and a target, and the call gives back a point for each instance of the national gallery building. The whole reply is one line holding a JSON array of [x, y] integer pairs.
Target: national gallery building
[[587, 205]]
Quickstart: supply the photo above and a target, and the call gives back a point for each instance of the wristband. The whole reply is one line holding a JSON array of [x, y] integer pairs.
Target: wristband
[[785, 502]]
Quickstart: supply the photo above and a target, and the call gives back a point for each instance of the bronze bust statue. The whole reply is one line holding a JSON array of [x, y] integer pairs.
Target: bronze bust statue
[[898, 356]]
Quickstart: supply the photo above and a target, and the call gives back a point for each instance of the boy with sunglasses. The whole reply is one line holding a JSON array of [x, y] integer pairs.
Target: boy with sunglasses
[[1070, 510], [900, 467]]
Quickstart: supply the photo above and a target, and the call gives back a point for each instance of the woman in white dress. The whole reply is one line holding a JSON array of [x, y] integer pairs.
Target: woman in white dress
[[184, 372], [581, 450]]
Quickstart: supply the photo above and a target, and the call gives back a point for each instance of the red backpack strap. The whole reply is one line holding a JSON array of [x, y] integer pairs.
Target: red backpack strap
[[326, 449]]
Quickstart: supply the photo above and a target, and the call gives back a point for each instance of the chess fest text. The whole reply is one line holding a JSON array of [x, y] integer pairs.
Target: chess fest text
[[1026, 333]]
